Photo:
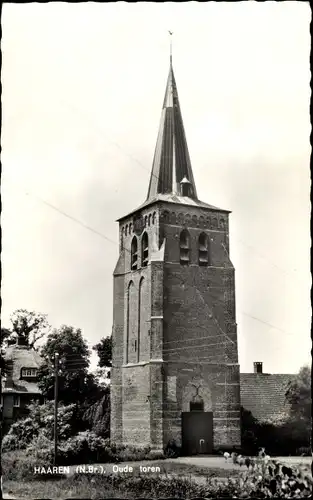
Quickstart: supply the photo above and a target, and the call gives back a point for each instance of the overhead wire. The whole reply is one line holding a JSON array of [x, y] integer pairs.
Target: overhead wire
[[74, 219]]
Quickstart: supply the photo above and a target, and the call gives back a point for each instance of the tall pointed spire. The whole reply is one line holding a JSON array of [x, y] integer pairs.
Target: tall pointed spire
[[171, 163]]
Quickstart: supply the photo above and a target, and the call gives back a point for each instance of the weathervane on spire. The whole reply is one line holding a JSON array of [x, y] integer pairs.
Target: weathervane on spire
[[171, 33]]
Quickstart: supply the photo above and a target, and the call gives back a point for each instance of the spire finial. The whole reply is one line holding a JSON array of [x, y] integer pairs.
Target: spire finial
[[171, 33]]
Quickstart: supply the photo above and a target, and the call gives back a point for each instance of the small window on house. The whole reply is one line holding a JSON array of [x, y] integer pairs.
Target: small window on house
[[203, 249], [16, 400], [153, 218], [146, 221], [184, 246], [29, 372], [150, 218], [126, 229], [196, 406], [144, 250], [134, 254]]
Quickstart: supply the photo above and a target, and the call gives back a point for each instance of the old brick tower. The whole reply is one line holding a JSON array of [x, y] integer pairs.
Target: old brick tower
[[175, 373]]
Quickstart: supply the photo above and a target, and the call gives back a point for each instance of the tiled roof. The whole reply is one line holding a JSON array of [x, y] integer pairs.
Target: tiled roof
[[22, 357], [264, 394]]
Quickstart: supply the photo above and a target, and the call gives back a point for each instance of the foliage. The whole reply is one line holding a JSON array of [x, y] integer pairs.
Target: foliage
[[98, 415], [86, 447], [76, 385], [299, 397], [28, 326], [104, 351], [5, 337], [280, 438], [39, 425]]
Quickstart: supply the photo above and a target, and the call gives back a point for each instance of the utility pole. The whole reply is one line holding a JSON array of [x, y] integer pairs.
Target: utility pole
[[56, 377]]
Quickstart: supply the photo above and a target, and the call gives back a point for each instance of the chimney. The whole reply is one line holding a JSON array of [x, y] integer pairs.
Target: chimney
[[258, 367]]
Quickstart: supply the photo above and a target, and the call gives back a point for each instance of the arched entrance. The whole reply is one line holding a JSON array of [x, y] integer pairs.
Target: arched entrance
[[197, 421]]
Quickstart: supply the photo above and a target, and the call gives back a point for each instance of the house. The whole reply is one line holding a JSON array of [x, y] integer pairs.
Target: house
[[19, 386], [263, 394]]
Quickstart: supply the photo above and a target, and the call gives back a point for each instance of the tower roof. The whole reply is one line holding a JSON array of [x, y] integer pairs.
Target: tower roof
[[171, 163]]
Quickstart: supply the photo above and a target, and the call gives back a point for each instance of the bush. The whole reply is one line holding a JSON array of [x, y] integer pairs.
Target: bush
[[280, 437], [41, 422], [87, 447], [21, 433]]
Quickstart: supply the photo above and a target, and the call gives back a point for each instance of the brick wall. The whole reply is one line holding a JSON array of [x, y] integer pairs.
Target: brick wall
[[136, 405], [183, 315]]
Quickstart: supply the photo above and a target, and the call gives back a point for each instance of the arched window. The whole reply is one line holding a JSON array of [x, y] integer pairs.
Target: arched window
[[203, 249], [126, 229], [184, 245], [134, 254], [153, 218], [144, 250], [131, 323]]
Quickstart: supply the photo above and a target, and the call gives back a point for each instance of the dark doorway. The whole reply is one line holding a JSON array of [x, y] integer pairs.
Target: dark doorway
[[196, 406], [197, 432]]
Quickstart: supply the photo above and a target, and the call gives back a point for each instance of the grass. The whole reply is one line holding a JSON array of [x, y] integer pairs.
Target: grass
[[191, 480], [179, 480], [99, 487]]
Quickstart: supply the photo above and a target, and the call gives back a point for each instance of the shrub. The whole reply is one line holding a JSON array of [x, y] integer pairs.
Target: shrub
[[21, 433], [40, 422], [274, 479], [280, 437]]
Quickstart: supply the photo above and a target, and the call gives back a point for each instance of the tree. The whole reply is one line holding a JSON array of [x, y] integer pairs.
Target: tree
[[76, 385], [98, 415], [5, 336], [299, 395], [28, 327], [104, 351]]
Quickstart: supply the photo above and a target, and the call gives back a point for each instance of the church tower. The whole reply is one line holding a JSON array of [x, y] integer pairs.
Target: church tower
[[175, 371]]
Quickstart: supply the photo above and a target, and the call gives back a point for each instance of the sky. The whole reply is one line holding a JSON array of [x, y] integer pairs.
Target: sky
[[82, 91]]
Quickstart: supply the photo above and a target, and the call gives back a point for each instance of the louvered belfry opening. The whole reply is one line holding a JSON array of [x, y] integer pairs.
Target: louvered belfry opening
[[203, 250], [134, 254], [184, 245], [144, 250]]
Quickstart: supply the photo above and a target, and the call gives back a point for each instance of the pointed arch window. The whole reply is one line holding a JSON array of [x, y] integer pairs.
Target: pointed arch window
[[184, 246], [134, 254], [203, 249], [144, 250]]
